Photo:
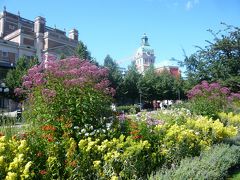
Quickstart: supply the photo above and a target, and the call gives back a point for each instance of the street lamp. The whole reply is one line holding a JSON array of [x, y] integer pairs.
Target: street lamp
[[3, 89], [140, 99]]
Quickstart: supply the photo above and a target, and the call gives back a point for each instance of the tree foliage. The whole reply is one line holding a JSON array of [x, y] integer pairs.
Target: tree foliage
[[218, 61], [160, 86], [82, 51], [14, 76], [147, 84], [114, 76], [130, 84]]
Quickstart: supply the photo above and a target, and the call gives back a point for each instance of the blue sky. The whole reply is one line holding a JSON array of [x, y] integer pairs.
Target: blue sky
[[115, 27]]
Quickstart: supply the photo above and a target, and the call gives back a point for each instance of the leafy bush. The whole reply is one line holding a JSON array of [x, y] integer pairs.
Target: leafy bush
[[210, 99], [120, 157], [212, 164], [131, 109], [175, 138], [63, 98], [66, 94], [230, 119]]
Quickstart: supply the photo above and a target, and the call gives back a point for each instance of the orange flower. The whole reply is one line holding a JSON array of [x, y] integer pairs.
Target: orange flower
[[73, 163], [48, 128], [134, 132], [137, 137]]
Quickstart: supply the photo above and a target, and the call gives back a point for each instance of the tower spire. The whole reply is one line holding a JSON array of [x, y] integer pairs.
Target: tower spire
[[145, 40]]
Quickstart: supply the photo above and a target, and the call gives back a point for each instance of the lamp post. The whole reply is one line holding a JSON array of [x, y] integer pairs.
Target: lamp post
[[3, 89], [140, 99]]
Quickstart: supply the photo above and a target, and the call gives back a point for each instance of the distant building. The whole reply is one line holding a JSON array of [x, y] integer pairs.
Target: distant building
[[23, 37], [173, 70], [144, 56]]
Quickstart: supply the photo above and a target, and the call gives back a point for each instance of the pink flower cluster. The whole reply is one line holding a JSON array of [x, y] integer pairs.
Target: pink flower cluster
[[212, 90], [71, 72]]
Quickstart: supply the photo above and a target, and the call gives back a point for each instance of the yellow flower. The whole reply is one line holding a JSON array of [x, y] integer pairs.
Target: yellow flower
[[23, 146], [26, 170], [16, 161], [3, 139], [96, 164], [114, 178], [2, 147], [1, 161], [11, 176]]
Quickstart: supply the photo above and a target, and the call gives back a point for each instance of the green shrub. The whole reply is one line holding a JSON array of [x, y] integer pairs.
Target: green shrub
[[131, 109], [210, 99], [212, 164]]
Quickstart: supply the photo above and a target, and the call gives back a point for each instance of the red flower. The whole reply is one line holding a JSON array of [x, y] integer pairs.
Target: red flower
[[42, 172], [49, 137], [137, 137]]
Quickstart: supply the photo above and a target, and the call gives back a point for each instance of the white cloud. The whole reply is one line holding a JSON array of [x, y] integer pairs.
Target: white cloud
[[190, 4]]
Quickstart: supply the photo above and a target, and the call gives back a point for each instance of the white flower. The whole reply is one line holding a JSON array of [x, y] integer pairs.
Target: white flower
[[108, 125], [86, 134], [83, 130], [91, 128], [92, 133], [75, 127]]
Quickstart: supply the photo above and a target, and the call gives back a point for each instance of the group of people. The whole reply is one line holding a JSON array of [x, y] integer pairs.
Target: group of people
[[162, 104]]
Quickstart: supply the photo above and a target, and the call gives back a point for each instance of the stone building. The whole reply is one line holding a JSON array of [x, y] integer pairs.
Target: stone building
[[144, 56], [22, 37]]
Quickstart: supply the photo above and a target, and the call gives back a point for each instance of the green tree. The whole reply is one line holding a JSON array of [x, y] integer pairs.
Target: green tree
[[14, 76], [168, 86], [115, 76], [82, 51], [160, 86], [147, 84], [130, 84], [218, 61], [62, 56]]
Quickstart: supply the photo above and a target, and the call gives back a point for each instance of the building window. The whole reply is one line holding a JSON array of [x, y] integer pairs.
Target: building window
[[5, 55], [11, 27]]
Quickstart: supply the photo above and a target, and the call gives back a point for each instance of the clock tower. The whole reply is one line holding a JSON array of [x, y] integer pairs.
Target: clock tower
[[144, 56]]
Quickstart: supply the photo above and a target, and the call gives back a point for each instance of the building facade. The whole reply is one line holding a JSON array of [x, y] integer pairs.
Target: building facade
[[22, 37], [144, 56]]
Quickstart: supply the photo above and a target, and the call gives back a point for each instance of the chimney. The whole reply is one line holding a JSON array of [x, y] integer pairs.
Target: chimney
[[39, 24], [73, 34], [39, 29]]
